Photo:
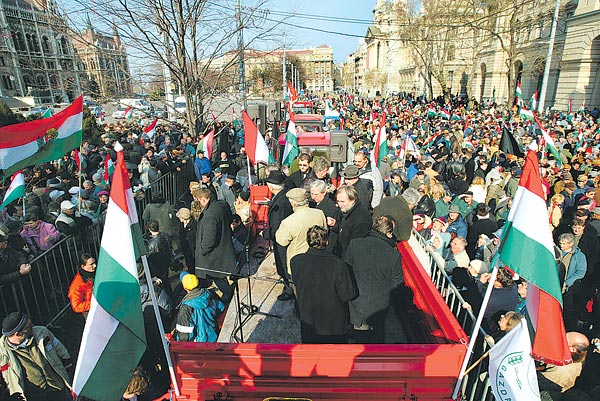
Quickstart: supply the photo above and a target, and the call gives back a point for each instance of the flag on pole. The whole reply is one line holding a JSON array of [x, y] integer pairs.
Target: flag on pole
[[129, 112], [77, 158], [291, 93], [582, 109], [291, 149], [534, 99], [15, 190], [431, 112], [47, 113], [380, 150], [151, 128], [409, 147], [512, 369], [100, 118], [518, 95], [548, 140], [508, 143], [113, 339], [444, 114], [570, 110], [39, 141], [109, 169], [527, 248], [206, 144], [525, 114], [256, 147]]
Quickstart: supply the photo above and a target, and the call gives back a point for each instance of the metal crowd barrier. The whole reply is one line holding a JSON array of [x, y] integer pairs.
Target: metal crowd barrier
[[475, 385], [42, 294]]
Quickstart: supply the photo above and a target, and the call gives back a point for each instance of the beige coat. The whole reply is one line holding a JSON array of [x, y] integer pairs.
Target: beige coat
[[52, 349], [293, 229]]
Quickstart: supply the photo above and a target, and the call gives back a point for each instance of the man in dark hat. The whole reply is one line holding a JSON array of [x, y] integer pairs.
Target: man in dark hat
[[364, 187], [279, 208], [33, 362]]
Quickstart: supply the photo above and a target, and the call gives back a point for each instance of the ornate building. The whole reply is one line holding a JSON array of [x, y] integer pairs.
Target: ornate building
[[36, 55], [103, 59]]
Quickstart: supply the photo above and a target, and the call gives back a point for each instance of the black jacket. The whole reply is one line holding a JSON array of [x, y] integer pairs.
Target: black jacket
[[480, 226], [214, 249], [377, 269], [279, 209], [187, 240], [330, 209], [323, 288], [159, 255], [354, 224], [10, 261]]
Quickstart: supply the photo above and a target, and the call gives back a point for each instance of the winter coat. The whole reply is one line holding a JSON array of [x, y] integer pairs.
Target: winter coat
[[214, 249], [10, 261], [197, 317], [50, 347], [292, 231], [36, 237], [323, 288], [161, 212], [187, 241], [355, 223], [377, 269], [279, 209], [397, 207], [80, 294], [373, 174]]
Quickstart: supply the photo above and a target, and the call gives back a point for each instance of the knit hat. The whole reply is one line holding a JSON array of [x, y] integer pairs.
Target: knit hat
[[454, 209], [13, 323], [189, 281]]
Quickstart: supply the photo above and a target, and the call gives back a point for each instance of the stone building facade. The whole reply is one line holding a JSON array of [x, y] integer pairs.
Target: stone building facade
[[477, 60], [103, 61], [36, 53]]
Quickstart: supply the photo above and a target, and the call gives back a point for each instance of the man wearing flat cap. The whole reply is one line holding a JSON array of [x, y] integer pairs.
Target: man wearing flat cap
[[293, 229], [33, 362]]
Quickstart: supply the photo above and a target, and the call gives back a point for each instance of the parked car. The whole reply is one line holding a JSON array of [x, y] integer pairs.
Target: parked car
[[160, 112], [120, 113]]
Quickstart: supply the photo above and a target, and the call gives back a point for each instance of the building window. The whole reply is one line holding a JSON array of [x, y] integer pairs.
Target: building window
[[7, 83], [46, 45], [541, 29], [451, 53], [2, 61]]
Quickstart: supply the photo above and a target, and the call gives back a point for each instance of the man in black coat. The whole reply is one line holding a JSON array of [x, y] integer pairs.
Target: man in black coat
[[304, 176], [279, 209], [401, 209], [363, 186], [483, 223], [321, 200], [215, 256], [323, 288], [377, 269], [355, 221]]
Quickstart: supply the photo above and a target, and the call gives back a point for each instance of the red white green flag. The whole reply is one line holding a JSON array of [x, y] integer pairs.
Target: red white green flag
[[380, 149], [114, 338], [256, 147], [291, 149], [206, 144], [15, 190], [151, 128], [527, 249], [40, 141], [129, 112]]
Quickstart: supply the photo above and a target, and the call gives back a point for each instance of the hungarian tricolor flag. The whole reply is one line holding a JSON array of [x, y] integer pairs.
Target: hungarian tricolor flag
[[380, 149], [109, 168], [114, 338], [77, 158], [527, 248], [129, 112], [256, 147], [291, 149], [39, 141], [518, 95], [534, 99], [548, 140], [206, 144], [444, 114], [431, 112], [15, 190], [151, 128], [525, 114], [291, 93]]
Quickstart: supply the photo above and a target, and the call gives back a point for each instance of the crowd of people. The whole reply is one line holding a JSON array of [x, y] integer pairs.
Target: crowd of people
[[333, 228]]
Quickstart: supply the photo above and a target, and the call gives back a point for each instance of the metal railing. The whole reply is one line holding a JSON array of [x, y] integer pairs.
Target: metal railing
[[42, 294], [475, 385]]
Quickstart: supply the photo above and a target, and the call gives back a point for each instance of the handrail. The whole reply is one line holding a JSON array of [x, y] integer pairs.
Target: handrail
[[473, 387], [42, 294]]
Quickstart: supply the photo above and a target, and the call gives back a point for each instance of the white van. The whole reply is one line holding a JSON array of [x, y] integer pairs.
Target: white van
[[138, 104], [180, 105]]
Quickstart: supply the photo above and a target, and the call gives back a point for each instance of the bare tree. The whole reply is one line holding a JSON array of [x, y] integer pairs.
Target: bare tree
[[196, 41]]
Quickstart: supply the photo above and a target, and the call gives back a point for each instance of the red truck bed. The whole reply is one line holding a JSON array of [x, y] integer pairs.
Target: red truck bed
[[424, 371]]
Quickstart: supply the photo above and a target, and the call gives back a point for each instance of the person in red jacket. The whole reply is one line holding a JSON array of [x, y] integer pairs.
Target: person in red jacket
[[80, 290]]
